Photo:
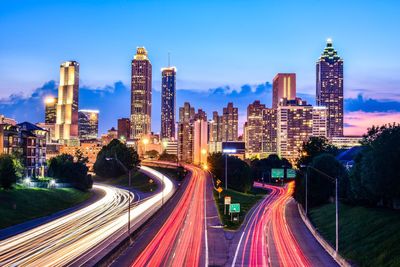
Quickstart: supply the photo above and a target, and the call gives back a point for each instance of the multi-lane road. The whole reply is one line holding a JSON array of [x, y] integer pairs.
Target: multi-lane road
[[182, 240], [77, 237]]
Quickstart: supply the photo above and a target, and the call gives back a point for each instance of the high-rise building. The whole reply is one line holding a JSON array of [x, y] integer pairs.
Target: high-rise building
[[186, 113], [200, 144], [254, 129], [50, 110], [229, 123], [124, 125], [320, 121], [168, 102], [215, 133], [141, 94], [330, 88], [270, 128], [88, 124], [294, 126], [283, 86], [200, 115], [67, 105]]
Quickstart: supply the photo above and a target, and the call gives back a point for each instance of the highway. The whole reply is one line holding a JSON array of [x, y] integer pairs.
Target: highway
[[182, 239], [267, 239], [78, 236]]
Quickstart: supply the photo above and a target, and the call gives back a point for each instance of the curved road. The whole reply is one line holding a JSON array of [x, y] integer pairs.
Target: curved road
[[181, 241], [273, 236], [64, 240]]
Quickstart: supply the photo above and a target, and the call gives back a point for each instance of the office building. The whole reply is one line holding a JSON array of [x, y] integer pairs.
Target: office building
[[141, 94], [109, 136], [270, 131], [168, 102], [329, 88], [230, 117], [50, 110], [67, 105], [254, 129], [9, 139], [88, 124], [186, 113], [124, 126], [294, 126], [283, 86], [200, 144], [320, 122], [215, 133]]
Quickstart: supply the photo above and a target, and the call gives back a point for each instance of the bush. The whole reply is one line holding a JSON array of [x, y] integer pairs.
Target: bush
[[8, 172]]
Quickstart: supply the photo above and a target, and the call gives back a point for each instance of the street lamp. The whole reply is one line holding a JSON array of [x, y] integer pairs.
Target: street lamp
[[331, 179], [129, 171], [145, 142], [227, 151]]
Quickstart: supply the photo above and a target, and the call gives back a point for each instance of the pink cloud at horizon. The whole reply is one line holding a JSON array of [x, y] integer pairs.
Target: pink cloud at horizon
[[357, 122]]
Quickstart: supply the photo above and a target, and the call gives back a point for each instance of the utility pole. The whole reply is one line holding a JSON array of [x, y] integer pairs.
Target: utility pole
[[226, 171], [306, 191], [337, 213]]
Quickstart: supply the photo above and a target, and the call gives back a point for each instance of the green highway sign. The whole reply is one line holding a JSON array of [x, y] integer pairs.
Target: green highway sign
[[277, 173], [234, 208], [290, 174]]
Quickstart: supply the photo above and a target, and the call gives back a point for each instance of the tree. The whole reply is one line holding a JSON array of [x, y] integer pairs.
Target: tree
[[314, 147], [262, 167], [80, 158], [66, 169], [107, 166], [239, 172], [152, 154], [325, 169], [375, 177], [168, 157], [8, 173]]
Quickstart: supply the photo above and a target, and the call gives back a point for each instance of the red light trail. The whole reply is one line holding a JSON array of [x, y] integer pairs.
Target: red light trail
[[179, 241]]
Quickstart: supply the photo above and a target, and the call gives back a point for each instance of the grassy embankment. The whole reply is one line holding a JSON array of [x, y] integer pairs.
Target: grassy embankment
[[23, 204], [139, 181], [247, 201], [368, 236]]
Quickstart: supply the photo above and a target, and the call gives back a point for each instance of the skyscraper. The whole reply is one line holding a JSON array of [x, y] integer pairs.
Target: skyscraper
[[283, 86], [320, 116], [254, 129], [141, 94], [186, 133], [50, 110], [229, 123], [88, 124], [186, 113], [329, 87], [67, 105], [294, 126], [124, 125], [215, 133], [168, 102], [270, 128]]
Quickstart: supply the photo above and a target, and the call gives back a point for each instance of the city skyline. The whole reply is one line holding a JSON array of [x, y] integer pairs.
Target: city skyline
[[369, 90]]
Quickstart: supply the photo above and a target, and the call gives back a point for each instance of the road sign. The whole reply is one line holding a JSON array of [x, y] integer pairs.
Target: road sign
[[227, 200], [219, 182], [290, 174], [277, 173], [219, 189], [234, 208]]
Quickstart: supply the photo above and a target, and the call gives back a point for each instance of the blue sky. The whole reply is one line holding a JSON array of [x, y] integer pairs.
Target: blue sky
[[212, 43]]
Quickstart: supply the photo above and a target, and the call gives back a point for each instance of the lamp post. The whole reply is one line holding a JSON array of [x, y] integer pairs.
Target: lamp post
[[227, 151], [129, 171], [145, 142], [336, 181]]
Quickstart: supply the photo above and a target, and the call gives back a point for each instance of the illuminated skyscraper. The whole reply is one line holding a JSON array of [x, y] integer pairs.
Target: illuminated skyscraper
[[67, 105], [330, 88], [141, 94], [283, 86], [50, 110], [186, 133], [320, 116], [88, 124], [168, 102], [229, 123], [270, 128], [186, 113], [294, 126], [254, 129]]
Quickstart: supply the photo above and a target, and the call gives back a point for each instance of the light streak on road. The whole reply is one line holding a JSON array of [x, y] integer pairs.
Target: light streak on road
[[179, 241], [63, 240], [267, 226]]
